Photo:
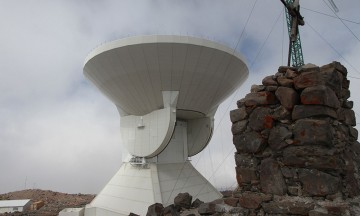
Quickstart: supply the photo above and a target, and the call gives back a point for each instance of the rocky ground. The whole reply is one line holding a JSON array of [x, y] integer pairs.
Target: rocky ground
[[54, 201]]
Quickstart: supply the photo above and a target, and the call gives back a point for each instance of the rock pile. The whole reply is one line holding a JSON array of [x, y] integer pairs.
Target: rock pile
[[297, 150]]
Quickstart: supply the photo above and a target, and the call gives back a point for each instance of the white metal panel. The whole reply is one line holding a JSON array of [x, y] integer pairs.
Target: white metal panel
[[199, 132]]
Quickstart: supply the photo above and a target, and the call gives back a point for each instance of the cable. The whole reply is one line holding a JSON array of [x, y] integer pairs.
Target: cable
[[325, 14], [342, 21], [332, 47]]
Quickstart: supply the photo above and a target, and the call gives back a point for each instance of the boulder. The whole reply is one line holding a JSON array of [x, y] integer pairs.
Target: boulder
[[269, 81], [246, 160], [346, 116], [249, 142], [196, 203], [308, 79], [316, 183], [260, 118], [257, 88], [238, 114], [283, 81], [309, 68], [238, 127], [171, 210], [271, 178], [313, 132], [305, 111], [291, 207], [319, 95], [277, 137], [260, 98], [207, 209], [288, 97], [290, 74], [245, 175], [252, 200]]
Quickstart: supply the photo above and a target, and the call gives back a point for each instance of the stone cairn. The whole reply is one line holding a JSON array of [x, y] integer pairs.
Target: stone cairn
[[297, 150]]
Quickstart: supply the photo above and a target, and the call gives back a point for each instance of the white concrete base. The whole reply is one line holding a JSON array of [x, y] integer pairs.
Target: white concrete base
[[134, 188], [72, 212]]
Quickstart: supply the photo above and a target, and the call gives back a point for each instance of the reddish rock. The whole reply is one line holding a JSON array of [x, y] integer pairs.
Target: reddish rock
[[250, 142], [305, 111], [238, 114], [288, 97], [269, 81], [319, 95], [260, 98], [277, 137], [281, 113], [271, 178], [260, 119], [313, 132], [239, 127], [231, 201], [308, 79], [288, 207], [257, 88], [316, 183], [245, 175], [252, 200], [183, 200]]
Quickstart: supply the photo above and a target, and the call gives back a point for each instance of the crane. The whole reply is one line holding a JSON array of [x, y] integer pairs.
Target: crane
[[294, 19]]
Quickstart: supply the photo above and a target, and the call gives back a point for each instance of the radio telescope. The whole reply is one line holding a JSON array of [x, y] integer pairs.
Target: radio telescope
[[167, 90]]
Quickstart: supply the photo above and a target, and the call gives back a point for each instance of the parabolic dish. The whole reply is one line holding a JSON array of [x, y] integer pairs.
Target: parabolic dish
[[133, 72]]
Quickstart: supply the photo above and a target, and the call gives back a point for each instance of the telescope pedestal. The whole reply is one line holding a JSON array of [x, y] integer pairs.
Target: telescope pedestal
[[135, 187]]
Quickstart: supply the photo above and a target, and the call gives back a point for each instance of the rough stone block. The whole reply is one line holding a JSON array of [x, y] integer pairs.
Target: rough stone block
[[309, 67], [155, 210], [260, 98], [251, 200], [269, 81], [313, 132], [196, 203], [238, 114], [288, 97], [257, 88], [305, 111], [316, 183], [283, 81], [333, 79], [249, 142], [246, 161], [238, 127], [308, 79], [319, 95], [346, 116], [277, 137], [260, 118], [231, 201], [271, 178], [245, 175], [207, 209]]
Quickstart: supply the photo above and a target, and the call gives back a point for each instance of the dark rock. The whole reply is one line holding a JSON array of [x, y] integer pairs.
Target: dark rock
[[335, 65], [313, 132], [269, 81], [260, 98], [281, 113], [207, 209], [333, 79], [283, 81], [271, 88], [347, 116], [155, 210], [345, 94], [239, 127], [305, 111], [288, 97], [171, 210], [319, 212], [277, 137], [245, 175], [314, 162], [183, 200], [316, 183], [133, 214], [196, 203], [240, 103], [250, 142], [238, 114], [257, 88], [284, 69], [246, 161], [309, 150], [288, 207], [348, 104], [353, 132], [319, 95], [346, 83], [271, 178], [260, 119]]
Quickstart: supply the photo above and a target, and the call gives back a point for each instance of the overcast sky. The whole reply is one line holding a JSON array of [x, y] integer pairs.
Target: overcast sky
[[58, 132]]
